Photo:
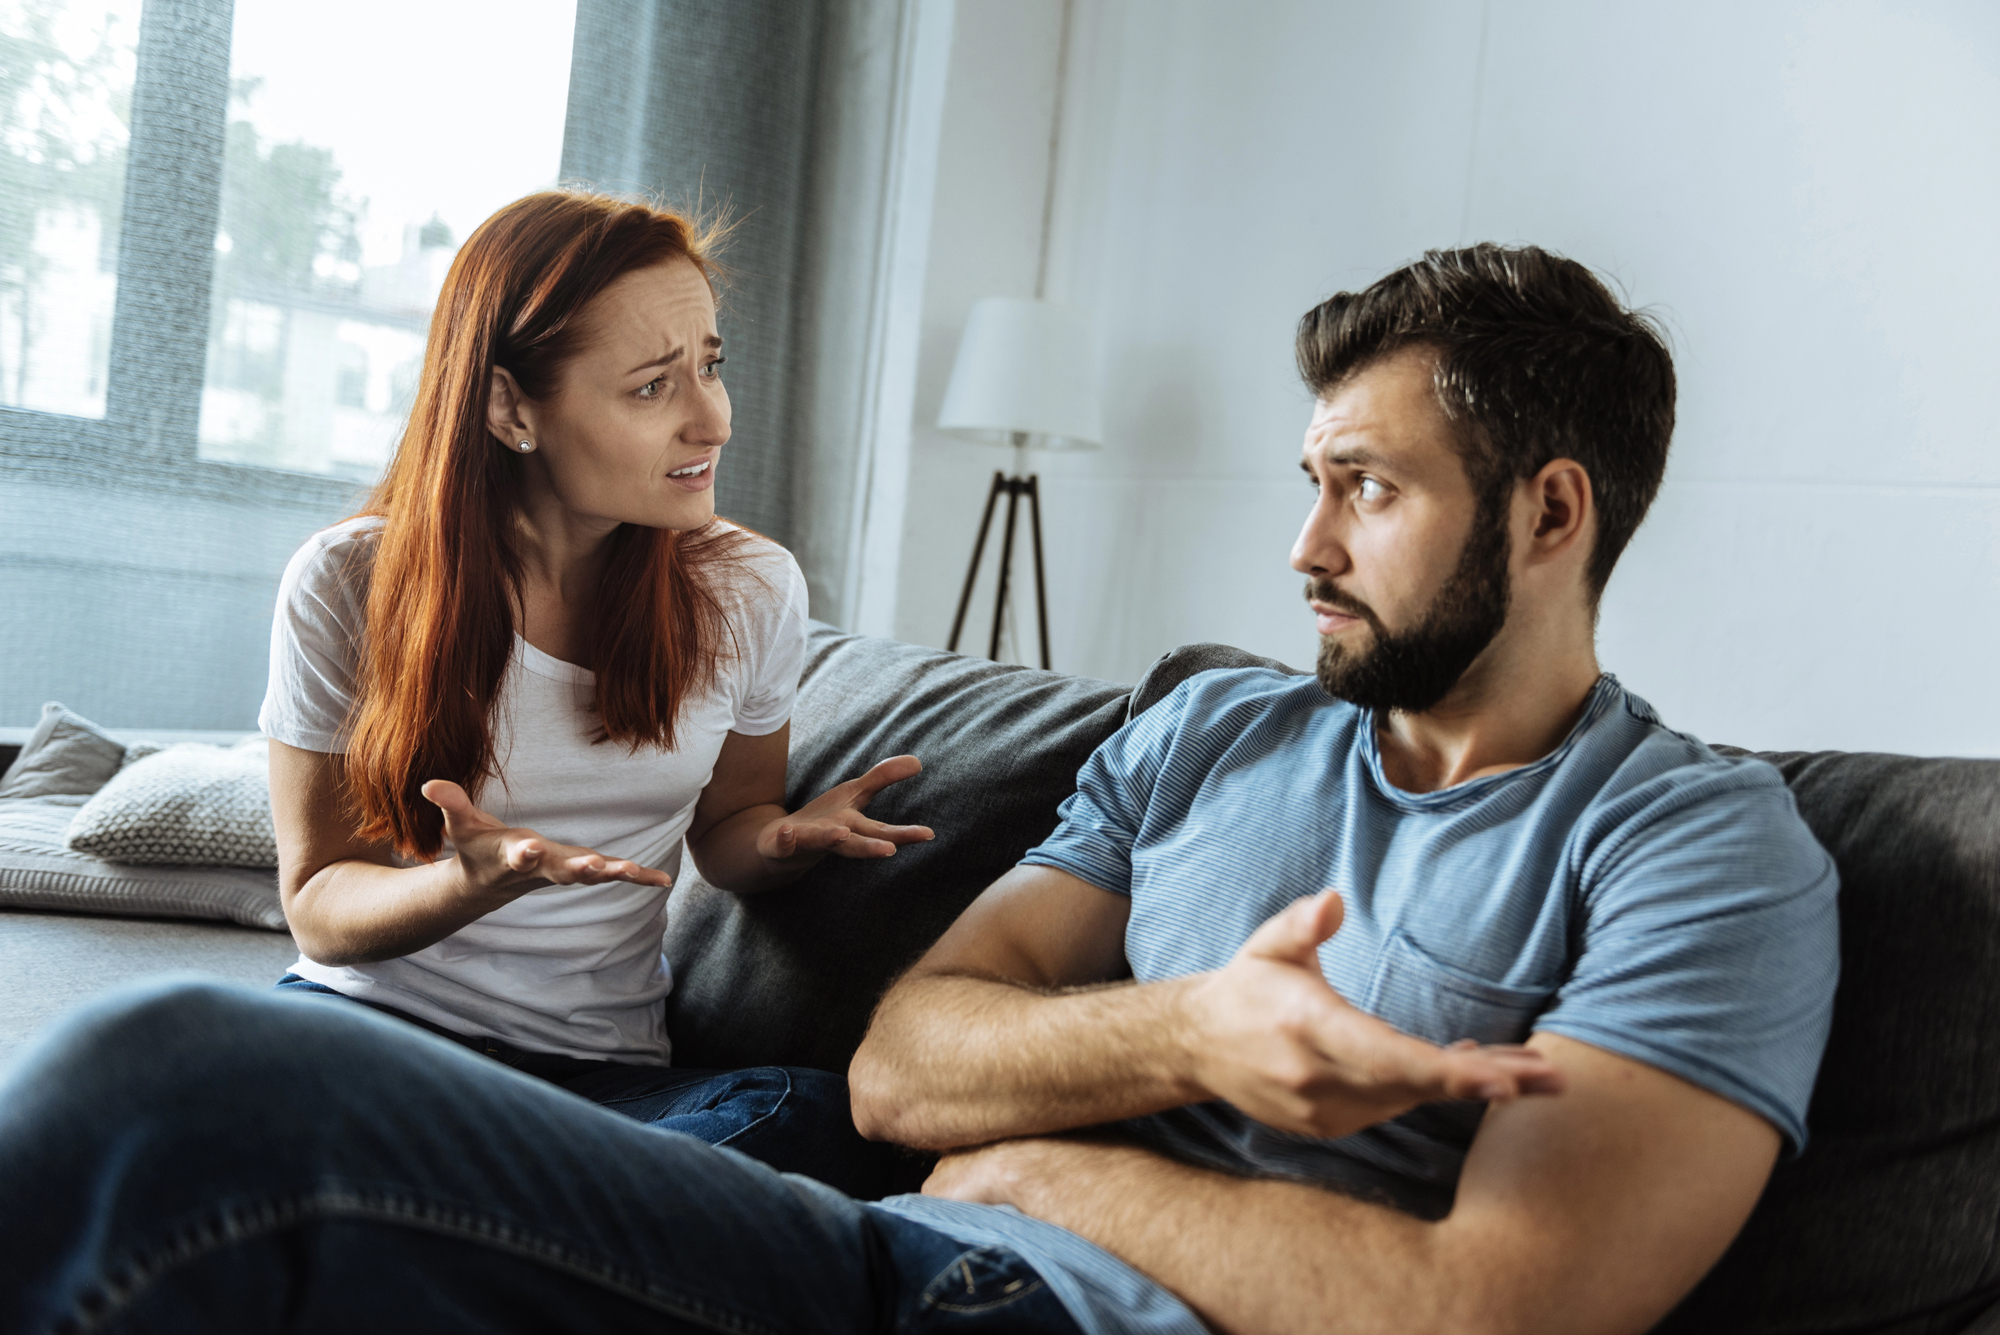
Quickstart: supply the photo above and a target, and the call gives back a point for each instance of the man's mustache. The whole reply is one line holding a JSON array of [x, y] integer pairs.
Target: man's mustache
[[1322, 591]]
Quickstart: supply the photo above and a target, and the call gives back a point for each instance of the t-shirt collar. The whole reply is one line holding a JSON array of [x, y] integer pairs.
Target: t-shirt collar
[[1602, 695]]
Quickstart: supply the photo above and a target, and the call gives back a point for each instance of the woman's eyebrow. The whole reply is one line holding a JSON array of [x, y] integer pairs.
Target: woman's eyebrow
[[711, 342], [668, 360]]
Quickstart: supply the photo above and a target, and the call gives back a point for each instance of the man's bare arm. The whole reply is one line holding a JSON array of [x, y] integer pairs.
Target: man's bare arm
[[1589, 1214], [1005, 1029]]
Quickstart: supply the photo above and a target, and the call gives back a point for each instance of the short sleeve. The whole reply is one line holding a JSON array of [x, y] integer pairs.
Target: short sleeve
[[1100, 822], [315, 641], [774, 610], [1711, 944]]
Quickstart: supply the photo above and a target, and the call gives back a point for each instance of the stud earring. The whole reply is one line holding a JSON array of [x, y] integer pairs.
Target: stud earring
[[527, 445]]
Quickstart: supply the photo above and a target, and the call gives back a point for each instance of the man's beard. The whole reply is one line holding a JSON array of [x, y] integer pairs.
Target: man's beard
[[1410, 671]]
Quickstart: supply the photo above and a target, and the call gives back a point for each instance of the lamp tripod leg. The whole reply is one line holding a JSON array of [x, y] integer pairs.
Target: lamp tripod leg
[[1014, 488], [1041, 586], [978, 550]]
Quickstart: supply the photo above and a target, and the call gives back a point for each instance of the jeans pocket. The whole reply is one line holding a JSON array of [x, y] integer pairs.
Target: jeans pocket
[[988, 1288]]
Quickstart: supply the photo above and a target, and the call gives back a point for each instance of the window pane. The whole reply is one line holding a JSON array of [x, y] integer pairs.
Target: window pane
[[65, 102], [360, 155]]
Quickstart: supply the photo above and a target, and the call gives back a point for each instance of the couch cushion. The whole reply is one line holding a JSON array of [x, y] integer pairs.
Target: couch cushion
[[1890, 1221], [791, 976], [1177, 665], [38, 870]]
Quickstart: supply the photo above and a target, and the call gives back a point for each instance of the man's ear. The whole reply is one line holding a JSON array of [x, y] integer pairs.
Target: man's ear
[[1564, 511], [507, 410]]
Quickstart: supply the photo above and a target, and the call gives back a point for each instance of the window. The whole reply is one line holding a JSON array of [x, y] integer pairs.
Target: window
[[222, 227], [65, 96], [337, 224]]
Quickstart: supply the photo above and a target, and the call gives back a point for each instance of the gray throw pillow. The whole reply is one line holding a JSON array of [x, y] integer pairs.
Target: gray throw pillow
[[790, 976], [189, 805], [66, 754]]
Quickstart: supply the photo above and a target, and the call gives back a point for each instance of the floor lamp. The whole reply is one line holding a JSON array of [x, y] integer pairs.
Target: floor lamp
[[1025, 376]]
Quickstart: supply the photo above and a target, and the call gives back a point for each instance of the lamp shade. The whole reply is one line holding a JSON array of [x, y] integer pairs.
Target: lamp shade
[[1025, 366]]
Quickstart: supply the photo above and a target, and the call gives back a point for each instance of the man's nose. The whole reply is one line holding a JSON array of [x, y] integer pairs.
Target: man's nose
[[1318, 550]]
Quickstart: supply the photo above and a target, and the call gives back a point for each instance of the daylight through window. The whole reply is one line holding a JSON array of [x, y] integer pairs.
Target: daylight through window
[[340, 217], [66, 71]]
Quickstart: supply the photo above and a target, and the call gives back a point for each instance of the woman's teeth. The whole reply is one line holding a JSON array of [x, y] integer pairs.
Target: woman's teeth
[[692, 470]]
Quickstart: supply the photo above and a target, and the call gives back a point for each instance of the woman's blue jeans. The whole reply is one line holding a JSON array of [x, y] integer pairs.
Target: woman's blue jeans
[[197, 1157], [794, 1118]]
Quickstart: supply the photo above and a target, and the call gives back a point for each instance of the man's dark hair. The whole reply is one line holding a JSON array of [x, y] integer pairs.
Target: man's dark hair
[[1536, 361]]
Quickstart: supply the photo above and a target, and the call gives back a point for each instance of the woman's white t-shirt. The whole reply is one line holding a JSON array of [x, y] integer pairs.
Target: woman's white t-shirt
[[576, 970]]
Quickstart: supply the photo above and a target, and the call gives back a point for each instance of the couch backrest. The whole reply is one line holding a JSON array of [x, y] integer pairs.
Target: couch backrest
[[1890, 1221], [791, 976]]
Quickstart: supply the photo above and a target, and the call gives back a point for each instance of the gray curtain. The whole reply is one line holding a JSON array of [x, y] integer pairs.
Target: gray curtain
[[709, 103]]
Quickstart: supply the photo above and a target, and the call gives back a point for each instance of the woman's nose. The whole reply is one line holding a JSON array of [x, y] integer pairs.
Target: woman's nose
[[708, 424]]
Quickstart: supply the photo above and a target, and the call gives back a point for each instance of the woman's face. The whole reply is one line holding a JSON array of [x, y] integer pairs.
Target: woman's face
[[635, 428]]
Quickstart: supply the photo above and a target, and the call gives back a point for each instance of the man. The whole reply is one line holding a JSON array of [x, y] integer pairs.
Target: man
[[1520, 851], [1448, 991]]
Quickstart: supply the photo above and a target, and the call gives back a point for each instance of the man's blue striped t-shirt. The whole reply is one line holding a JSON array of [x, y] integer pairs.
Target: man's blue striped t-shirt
[[1632, 890]]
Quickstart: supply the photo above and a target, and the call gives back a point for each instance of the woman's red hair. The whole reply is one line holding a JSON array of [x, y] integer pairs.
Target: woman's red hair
[[447, 567]]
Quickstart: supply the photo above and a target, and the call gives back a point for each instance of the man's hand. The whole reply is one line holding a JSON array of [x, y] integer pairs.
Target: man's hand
[[1018, 1172], [1267, 1033], [833, 822]]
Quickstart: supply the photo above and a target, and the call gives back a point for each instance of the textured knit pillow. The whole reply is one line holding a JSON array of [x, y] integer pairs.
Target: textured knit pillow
[[195, 805]]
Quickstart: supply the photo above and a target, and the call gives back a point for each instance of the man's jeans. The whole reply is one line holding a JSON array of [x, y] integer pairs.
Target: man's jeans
[[196, 1157]]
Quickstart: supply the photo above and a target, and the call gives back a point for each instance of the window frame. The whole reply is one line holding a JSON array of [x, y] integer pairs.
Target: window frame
[[148, 438]]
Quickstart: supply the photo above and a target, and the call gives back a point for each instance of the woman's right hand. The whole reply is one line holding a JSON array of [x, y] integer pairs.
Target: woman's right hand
[[498, 858]]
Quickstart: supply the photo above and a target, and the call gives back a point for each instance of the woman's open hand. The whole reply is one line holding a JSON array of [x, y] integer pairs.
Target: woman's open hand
[[833, 822], [498, 857]]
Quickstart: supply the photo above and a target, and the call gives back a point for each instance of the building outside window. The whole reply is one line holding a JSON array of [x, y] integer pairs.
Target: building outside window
[[66, 70]]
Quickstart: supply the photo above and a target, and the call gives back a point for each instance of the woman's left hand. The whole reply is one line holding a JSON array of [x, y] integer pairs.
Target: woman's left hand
[[833, 822]]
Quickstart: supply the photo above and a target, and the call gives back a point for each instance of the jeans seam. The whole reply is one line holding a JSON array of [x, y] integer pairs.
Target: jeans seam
[[776, 1108], [126, 1281], [1005, 1300], [1014, 1294]]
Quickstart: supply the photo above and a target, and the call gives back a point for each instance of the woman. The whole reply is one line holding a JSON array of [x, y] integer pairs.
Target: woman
[[538, 646]]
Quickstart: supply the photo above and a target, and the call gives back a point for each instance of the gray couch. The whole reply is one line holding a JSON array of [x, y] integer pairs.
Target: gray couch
[[1890, 1222]]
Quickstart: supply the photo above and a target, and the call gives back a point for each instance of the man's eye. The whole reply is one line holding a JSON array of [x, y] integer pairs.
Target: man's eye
[[1368, 489]]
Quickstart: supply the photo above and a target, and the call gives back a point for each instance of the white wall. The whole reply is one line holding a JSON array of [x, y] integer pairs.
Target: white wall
[[1806, 192]]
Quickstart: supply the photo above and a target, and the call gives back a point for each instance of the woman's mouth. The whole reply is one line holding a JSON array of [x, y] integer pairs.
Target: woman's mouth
[[696, 476]]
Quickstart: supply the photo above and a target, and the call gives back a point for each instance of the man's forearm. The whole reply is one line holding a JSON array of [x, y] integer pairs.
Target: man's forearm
[[953, 1060], [1249, 1256]]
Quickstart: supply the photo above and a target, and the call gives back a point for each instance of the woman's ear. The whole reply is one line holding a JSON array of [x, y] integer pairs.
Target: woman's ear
[[508, 410]]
